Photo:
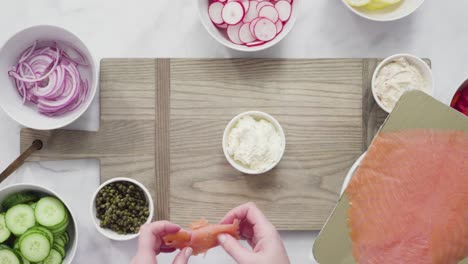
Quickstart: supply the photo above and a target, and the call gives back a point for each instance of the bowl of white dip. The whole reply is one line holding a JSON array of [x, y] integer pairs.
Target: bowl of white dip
[[254, 142], [398, 74]]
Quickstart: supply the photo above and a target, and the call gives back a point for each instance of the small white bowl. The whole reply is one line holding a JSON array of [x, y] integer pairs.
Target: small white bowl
[[351, 172], [109, 233], [422, 66], [222, 38], [12, 103], [72, 228], [391, 13], [233, 123]]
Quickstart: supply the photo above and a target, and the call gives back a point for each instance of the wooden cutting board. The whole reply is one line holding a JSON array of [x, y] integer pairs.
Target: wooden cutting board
[[162, 122]]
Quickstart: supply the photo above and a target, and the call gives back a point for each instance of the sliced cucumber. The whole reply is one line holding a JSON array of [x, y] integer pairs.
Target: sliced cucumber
[[66, 236], [53, 258], [4, 231], [25, 261], [19, 198], [19, 218], [8, 256], [45, 231], [59, 233], [50, 212], [61, 225], [16, 244], [59, 249], [35, 247], [60, 241], [33, 205]]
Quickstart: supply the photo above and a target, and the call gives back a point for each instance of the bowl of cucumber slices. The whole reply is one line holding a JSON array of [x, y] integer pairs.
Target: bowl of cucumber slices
[[36, 226]]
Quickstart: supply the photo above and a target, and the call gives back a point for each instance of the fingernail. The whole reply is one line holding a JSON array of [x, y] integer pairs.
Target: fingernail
[[188, 252], [222, 238]]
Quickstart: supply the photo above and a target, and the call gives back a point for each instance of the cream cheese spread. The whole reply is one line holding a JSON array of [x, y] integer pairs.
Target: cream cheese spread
[[254, 143], [395, 78]]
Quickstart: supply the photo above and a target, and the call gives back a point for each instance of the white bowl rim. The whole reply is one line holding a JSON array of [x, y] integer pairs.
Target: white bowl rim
[[116, 236], [228, 128], [351, 172], [355, 11], [70, 254], [411, 58], [93, 89], [267, 45]]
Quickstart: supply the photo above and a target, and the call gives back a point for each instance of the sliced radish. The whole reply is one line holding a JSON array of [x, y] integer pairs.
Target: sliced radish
[[245, 3], [223, 25], [245, 35], [262, 4], [269, 12], [252, 24], [233, 33], [214, 11], [252, 12], [264, 29], [255, 43], [279, 26], [233, 13], [284, 10]]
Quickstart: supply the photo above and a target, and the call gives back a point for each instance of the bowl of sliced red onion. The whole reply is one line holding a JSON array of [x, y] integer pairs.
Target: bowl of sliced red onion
[[48, 77], [248, 25]]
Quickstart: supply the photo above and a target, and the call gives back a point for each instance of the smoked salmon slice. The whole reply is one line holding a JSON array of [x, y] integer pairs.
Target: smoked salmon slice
[[409, 199], [201, 237]]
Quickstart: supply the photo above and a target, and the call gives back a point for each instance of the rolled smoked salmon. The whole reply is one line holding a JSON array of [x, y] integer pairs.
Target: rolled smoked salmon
[[409, 199], [202, 236]]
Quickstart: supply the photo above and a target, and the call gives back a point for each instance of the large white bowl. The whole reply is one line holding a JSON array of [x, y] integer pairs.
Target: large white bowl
[[395, 12], [238, 166], [222, 38], [109, 233], [72, 228], [12, 103], [421, 65]]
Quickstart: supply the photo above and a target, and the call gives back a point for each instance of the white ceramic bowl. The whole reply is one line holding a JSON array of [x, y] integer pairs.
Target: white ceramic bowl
[[221, 37], [109, 233], [12, 103], [233, 123], [351, 172], [395, 12], [72, 228], [422, 66]]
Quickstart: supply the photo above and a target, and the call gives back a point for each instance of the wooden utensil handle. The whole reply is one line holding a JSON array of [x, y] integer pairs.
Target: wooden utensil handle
[[36, 145]]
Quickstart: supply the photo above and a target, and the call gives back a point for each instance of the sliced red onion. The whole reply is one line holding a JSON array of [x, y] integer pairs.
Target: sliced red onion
[[25, 55], [17, 76], [48, 76]]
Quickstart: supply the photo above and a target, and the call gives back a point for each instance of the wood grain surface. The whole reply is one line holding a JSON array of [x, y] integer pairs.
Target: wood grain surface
[[162, 122]]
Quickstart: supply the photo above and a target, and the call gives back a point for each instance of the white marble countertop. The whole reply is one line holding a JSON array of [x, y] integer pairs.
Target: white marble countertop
[[171, 28]]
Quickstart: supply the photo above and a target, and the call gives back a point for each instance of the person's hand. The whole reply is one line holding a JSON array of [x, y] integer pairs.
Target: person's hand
[[262, 236], [151, 243]]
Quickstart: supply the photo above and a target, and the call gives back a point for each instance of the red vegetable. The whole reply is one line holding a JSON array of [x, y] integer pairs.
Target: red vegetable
[[47, 75], [460, 99], [240, 17]]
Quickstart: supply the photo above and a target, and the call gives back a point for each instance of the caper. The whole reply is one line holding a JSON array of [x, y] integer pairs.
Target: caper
[[122, 207]]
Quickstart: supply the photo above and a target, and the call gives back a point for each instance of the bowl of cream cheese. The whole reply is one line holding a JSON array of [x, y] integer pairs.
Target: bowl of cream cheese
[[254, 142], [398, 74]]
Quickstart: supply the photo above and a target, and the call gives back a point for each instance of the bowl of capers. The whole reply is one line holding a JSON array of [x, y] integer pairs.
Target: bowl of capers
[[119, 208]]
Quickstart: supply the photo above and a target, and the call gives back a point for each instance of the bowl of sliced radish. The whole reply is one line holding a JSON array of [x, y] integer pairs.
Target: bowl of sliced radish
[[248, 25], [36, 226], [48, 77]]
